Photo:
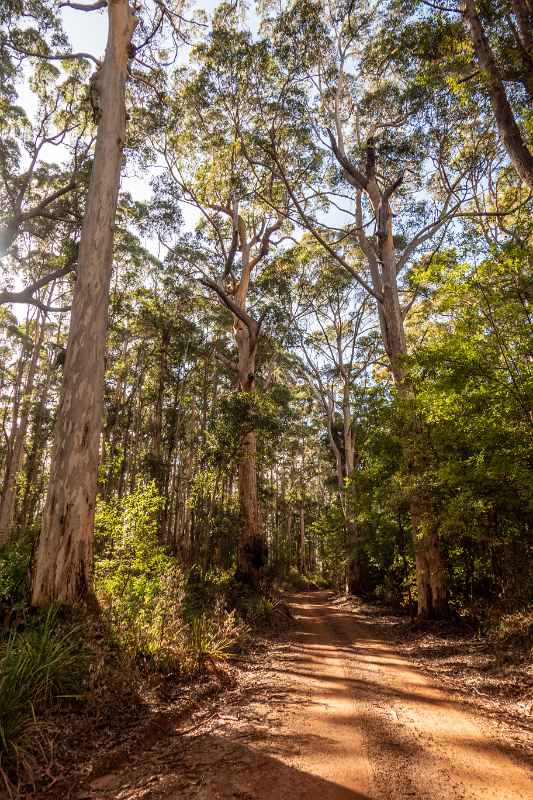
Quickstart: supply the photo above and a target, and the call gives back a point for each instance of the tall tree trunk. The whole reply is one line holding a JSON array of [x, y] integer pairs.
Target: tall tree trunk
[[40, 436], [353, 567], [251, 555], [64, 558], [519, 154], [430, 569], [301, 546], [381, 257]]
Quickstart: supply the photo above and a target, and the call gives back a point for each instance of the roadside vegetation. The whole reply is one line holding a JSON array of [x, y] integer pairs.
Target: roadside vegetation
[[265, 326]]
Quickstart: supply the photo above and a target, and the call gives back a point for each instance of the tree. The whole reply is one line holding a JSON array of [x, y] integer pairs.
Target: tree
[[19, 427], [484, 50], [333, 328], [64, 558], [203, 150], [510, 133], [385, 160]]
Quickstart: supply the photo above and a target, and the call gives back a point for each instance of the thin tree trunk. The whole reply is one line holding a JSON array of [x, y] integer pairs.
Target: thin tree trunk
[[64, 558], [353, 567], [9, 493], [156, 461], [10, 458], [39, 435], [301, 547]]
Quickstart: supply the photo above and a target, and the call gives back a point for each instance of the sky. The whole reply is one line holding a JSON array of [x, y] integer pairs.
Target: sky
[[87, 33]]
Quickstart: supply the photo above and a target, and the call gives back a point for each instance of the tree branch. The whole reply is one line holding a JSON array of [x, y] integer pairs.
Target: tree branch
[[353, 175], [81, 7], [229, 302], [59, 57], [320, 239], [26, 295]]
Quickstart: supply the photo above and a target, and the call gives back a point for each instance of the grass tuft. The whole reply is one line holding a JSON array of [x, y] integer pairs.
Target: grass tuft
[[37, 666]]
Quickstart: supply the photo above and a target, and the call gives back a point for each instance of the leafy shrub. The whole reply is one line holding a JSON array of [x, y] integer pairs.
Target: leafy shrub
[[257, 609], [156, 615], [205, 590], [133, 573], [296, 581], [317, 581], [513, 631], [14, 568]]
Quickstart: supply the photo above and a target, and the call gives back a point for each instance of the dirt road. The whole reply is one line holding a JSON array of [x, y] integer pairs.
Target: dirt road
[[373, 726], [340, 716]]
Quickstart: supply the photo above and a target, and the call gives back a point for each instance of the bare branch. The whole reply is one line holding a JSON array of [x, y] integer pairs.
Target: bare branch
[[229, 302], [389, 191], [27, 295], [58, 57], [325, 244], [81, 7], [353, 175], [226, 362]]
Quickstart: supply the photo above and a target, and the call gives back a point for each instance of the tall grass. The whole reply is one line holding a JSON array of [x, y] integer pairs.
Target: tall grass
[[214, 638], [37, 666]]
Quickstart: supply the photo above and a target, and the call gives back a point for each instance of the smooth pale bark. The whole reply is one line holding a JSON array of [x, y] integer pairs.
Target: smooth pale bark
[[353, 567], [20, 427], [510, 133], [252, 548], [251, 553], [344, 470], [64, 558]]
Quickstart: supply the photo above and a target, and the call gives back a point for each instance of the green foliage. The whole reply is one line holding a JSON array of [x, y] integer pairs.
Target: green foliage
[[257, 609], [129, 561], [474, 387], [161, 618], [328, 530], [238, 413], [15, 569], [205, 590], [513, 631], [138, 585], [44, 662], [214, 637]]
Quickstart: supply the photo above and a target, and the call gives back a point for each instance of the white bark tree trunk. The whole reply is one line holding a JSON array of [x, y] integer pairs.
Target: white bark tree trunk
[[383, 264], [64, 558]]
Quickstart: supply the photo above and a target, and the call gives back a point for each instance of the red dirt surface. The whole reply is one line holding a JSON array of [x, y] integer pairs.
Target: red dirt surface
[[332, 712]]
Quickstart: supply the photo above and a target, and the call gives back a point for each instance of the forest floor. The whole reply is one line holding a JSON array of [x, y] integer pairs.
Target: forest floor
[[336, 708]]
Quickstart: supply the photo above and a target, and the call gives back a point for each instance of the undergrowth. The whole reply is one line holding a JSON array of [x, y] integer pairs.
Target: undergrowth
[[294, 580], [150, 618], [45, 662]]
